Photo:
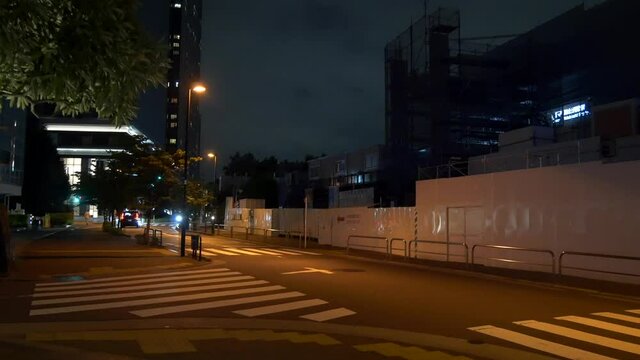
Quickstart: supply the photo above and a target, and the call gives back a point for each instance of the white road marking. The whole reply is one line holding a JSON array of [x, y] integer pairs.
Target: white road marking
[[582, 336], [244, 252], [634, 311], [115, 278], [329, 314], [264, 252], [221, 252], [611, 315], [304, 252], [119, 304], [309, 270], [214, 304], [209, 253], [272, 309], [538, 344], [142, 287], [602, 325], [143, 281], [284, 252], [146, 293]]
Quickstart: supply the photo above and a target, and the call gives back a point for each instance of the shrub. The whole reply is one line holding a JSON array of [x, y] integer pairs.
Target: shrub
[[107, 227], [18, 221], [61, 219]]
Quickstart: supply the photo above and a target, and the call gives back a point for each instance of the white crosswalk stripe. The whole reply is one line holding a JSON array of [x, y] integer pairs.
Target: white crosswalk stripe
[[174, 292], [622, 317], [142, 287], [328, 315], [602, 334], [255, 251], [173, 273], [582, 336], [243, 252], [538, 344], [184, 276]]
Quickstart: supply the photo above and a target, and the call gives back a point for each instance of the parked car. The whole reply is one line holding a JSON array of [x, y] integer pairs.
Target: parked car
[[130, 218]]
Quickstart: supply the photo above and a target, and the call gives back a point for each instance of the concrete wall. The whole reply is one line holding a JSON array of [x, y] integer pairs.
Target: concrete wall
[[590, 207]]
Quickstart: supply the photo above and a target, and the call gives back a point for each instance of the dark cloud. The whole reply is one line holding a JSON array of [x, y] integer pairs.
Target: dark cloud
[[296, 77]]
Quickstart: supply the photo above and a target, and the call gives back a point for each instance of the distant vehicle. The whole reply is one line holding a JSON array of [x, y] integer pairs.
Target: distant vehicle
[[130, 218]]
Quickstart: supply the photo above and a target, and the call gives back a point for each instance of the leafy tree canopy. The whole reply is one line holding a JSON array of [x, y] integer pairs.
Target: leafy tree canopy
[[81, 55]]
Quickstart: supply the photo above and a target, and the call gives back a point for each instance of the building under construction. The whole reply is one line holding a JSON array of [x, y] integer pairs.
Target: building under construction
[[448, 97]]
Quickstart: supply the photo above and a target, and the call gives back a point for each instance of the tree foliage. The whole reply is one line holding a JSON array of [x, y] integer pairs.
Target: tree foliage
[[81, 55], [46, 185], [142, 178]]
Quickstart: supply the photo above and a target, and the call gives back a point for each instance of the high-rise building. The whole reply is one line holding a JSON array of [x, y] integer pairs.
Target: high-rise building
[[179, 24]]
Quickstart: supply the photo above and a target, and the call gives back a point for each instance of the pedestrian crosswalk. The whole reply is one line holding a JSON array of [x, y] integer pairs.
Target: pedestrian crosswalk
[[176, 292], [254, 251], [605, 335]]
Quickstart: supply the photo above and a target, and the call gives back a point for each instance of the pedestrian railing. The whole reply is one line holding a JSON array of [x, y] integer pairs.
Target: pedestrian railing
[[154, 234], [513, 248], [391, 248], [447, 254], [368, 246], [246, 231], [562, 267]]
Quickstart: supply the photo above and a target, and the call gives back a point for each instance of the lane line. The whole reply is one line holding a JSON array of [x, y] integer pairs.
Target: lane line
[[264, 252], [538, 344], [214, 304], [329, 314], [611, 315], [272, 309], [221, 252], [582, 336], [244, 252], [115, 278], [284, 252], [142, 287], [146, 293], [142, 281], [602, 325], [120, 304]]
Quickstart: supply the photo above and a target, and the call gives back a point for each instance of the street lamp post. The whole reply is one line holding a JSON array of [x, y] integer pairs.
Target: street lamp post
[[198, 89], [215, 164]]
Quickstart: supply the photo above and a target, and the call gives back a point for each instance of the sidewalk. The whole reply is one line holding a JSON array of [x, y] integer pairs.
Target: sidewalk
[[85, 250]]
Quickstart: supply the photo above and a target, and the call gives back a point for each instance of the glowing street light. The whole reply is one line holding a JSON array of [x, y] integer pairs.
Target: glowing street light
[[198, 88]]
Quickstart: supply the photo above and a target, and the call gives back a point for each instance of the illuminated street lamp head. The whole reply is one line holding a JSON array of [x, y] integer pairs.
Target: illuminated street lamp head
[[198, 88], [210, 155]]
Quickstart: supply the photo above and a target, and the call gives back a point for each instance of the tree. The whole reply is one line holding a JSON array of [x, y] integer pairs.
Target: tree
[[46, 185], [80, 55]]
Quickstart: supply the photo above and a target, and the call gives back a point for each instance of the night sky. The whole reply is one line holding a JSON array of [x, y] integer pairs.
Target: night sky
[[295, 77]]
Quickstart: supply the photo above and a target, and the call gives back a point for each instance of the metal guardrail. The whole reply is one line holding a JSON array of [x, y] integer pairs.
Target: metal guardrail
[[607, 256], [368, 246], [447, 254], [504, 247], [390, 247], [246, 231], [154, 233]]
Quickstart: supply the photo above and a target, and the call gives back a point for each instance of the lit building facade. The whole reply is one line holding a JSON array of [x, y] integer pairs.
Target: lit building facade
[[85, 144]]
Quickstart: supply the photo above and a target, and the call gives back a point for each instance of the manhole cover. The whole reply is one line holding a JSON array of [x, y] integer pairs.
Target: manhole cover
[[66, 278], [347, 270]]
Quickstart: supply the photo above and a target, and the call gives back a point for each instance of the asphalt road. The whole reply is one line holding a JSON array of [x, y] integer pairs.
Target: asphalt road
[[271, 286]]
